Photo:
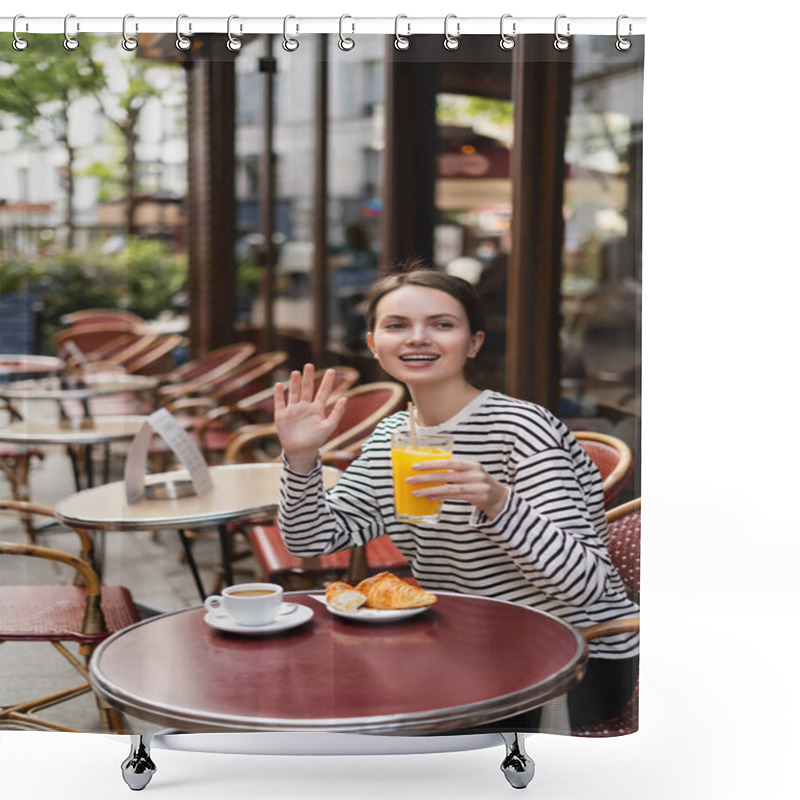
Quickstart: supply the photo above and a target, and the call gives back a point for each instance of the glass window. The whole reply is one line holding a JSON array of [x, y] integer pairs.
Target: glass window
[[475, 123], [354, 187], [601, 280]]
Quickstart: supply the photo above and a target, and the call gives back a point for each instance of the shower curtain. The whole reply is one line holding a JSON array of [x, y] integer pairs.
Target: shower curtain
[[255, 185]]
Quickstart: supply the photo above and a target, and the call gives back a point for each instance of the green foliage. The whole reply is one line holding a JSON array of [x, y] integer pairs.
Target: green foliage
[[43, 80], [14, 275], [471, 111], [143, 278], [154, 276], [248, 278]]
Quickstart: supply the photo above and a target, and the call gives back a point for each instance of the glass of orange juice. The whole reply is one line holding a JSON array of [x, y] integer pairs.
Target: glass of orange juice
[[407, 452]]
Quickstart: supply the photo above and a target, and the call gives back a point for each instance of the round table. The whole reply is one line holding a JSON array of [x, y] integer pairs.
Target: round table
[[13, 367], [96, 430], [93, 385], [72, 433], [239, 492], [464, 662]]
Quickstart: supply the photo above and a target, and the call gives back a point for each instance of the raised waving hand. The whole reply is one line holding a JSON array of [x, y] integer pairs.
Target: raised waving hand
[[304, 420]]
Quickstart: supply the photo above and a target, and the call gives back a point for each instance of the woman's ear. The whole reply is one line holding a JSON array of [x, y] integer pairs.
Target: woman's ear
[[476, 343], [371, 343]]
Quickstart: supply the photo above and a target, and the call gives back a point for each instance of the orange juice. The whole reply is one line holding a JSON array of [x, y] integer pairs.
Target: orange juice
[[429, 447]]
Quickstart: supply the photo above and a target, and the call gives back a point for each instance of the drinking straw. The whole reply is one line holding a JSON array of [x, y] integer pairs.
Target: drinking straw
[[412, 425]]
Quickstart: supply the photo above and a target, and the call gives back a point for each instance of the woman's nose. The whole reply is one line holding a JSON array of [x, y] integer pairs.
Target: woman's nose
[[418, 333]]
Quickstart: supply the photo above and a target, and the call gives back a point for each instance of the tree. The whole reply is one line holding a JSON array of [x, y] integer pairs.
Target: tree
[[43, 83], [125, 118]]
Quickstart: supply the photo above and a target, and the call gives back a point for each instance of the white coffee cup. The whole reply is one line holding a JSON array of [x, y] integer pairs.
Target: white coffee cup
[[248, 603]]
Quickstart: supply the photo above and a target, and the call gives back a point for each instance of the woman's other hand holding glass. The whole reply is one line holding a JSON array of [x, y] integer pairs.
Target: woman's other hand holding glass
[[463, 480]]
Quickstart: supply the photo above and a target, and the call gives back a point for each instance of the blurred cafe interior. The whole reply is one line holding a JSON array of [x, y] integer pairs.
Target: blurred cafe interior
[[519, 170]]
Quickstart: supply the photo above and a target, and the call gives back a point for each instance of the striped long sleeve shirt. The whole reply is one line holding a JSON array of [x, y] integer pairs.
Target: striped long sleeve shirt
[[547, 548]]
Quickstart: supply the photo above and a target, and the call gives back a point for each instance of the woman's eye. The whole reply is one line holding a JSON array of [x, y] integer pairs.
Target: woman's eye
[[444, 324]]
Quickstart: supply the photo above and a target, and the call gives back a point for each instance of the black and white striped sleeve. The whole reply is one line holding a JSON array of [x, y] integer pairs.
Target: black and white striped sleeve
[[313, 522], [548, 531]]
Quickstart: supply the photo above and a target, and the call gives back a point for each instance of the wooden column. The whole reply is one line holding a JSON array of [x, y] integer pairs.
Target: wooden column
[[211, 202], [541, 87], [319, 269], [410, 152], [267, 183]]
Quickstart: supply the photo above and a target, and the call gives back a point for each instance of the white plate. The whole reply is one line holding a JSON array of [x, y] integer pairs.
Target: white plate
[[374, 614], [290, 616]]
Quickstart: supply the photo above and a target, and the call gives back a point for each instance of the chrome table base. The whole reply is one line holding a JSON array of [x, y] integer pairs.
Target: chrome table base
[[139, 767], [517, 766]]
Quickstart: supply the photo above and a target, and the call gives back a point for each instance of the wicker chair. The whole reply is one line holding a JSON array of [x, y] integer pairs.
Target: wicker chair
[[277, 565], [613, 459], [15, 463], [624, 526], [154, 355], [84, 613], [220, 424], [195, 376], [201, 414], [101, 316], [87, 339]]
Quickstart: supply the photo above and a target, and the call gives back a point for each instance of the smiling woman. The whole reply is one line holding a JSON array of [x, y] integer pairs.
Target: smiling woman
[[523, 514]]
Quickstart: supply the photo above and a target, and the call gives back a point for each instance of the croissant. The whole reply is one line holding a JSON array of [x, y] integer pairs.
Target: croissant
[[364, 586], [387, 591], [344, 597]]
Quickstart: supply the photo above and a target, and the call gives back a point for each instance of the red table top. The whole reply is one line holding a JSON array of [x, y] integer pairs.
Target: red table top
[[465, 661]]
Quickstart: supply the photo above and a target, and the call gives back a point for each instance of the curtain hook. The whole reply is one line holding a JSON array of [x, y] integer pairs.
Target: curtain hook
[[128, 42], [451, 42], [345, 42], [401, 42], [623, 44], [233, 44], [70, 42], [561, 42], [182, 42], [18, 43], [507, 42], [289, 44]]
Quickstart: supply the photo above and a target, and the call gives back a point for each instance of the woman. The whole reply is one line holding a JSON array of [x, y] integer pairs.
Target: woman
[[523, 517]]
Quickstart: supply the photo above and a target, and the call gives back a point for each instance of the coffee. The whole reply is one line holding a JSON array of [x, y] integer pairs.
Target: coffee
[[248, 603]]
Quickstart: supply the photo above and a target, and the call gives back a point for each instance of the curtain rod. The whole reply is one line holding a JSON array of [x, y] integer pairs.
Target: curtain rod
[[348, 25]]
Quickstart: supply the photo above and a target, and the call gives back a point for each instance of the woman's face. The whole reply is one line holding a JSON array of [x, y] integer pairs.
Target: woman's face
[[422, 336]]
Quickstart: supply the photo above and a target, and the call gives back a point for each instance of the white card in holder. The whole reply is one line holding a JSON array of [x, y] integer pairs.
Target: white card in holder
[[161, 422]]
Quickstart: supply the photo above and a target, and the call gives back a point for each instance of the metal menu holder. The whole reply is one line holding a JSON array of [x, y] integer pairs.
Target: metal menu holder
[[161, 422]]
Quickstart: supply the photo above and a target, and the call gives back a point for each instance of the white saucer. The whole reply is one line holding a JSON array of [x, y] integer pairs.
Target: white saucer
[[376, 615], [294, 615]]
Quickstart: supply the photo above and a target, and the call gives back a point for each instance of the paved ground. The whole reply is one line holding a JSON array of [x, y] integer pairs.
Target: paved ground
[[149, 566]]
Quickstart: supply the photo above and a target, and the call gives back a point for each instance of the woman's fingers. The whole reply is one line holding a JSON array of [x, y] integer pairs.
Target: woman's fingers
[[451, 473], [326, 386], [307, 384], [337, 413], [294, 386], [279, 398]]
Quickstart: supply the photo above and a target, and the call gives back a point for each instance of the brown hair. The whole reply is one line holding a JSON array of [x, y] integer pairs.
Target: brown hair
[[415, 273]]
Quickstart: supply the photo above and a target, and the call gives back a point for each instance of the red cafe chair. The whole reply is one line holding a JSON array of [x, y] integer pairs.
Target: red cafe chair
[[624, 528], [613, 459], [64, 615]]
